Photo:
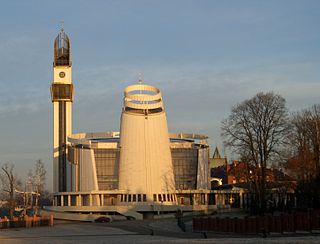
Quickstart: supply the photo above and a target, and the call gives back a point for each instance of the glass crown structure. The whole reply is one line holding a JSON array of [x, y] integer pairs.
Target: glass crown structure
[[62, 52]]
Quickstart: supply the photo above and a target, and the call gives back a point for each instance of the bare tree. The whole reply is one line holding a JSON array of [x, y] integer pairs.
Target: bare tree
[[40, 175], [305, 137], [256, 129], [39, 178], [10, 183], [305, 160]]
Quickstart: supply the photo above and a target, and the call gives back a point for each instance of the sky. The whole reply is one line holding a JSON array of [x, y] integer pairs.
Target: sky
[[205, 56]]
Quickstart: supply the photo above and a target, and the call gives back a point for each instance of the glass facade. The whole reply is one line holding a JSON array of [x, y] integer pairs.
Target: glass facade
[[184, 160], [185, 164], [62, 50], [107, 166]]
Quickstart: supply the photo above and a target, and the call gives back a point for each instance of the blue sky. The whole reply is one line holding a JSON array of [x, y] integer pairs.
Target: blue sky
[[205, 56]]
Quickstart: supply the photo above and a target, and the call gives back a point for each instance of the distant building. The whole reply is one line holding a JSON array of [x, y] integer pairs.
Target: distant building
[[238, 185], [241, 172], [218, 169], [217, 160]]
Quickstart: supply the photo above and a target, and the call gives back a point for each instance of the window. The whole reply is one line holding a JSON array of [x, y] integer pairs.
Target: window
[[129, 198], [154, 197], [134, 198], [159, 198], [139, 197], [164, 197], [144, 197], [107, 168], [181, 200], [125, 198], [61, 92], [168, 197]]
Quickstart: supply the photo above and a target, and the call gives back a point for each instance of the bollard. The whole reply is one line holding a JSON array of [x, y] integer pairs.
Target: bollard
[[7, 222], [51, 220], [34, 221], [28, 222]]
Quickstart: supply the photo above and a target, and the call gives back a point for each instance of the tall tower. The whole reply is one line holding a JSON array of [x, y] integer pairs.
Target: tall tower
[[145, 158], [61, 96]]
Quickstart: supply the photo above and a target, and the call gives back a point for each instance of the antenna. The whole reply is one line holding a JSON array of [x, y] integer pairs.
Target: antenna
[[62, 24], [140, 78]]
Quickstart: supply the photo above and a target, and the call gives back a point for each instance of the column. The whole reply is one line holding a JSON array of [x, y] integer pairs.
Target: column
[[102, 199], [80, 200], [241, 199], [90, 200]]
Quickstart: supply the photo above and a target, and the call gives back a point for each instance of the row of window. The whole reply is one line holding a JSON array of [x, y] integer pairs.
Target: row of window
[[143, 198], [164, 197], [133, 198]]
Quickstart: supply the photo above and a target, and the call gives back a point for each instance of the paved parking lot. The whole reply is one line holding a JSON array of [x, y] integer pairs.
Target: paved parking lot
[[161, 231]]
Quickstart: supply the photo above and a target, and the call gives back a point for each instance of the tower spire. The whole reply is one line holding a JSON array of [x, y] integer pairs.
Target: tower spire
[[62, 25], [140, 78]]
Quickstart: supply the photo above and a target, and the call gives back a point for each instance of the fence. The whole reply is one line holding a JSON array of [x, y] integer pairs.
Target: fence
[[295, 222], [26, 222]]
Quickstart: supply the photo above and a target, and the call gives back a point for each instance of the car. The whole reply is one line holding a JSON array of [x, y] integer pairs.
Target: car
[[102, 220]]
